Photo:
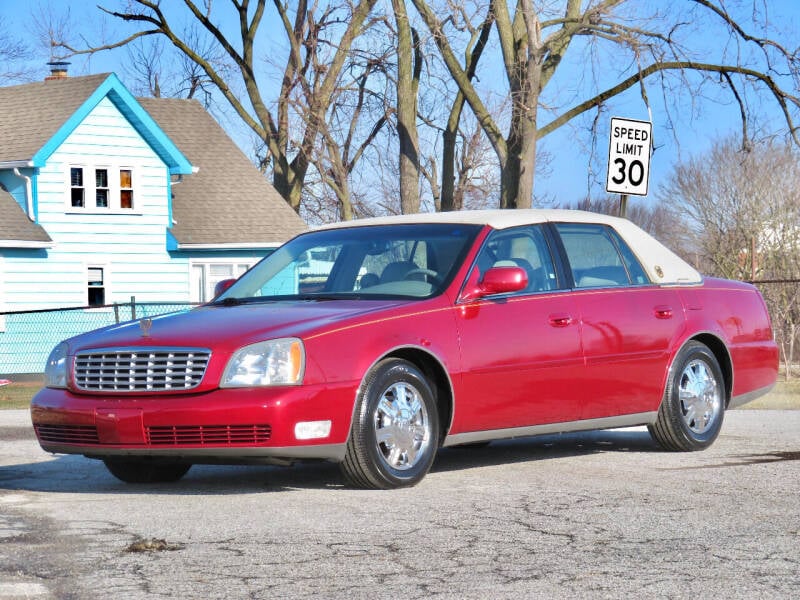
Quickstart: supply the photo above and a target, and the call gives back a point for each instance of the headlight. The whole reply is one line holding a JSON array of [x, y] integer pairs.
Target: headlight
[[275, 362], [55, 371]]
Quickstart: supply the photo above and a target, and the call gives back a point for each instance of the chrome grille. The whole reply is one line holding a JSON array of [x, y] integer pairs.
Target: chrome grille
[[141, 369]]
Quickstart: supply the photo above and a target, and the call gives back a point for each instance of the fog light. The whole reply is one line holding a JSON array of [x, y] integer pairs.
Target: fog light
[[310, 430]]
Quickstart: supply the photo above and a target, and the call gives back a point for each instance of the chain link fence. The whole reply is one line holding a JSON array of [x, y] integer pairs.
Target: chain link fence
[[27, 337]]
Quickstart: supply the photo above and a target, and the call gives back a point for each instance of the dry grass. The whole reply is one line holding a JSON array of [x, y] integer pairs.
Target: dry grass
[[18, 395], [785, 396]]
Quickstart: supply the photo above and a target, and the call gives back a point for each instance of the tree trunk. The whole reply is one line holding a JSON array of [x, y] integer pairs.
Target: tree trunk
[[449, 138], [409, 64]]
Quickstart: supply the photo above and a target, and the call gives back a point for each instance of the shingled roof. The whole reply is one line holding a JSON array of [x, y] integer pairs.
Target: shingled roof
[[16, 227], [228, 202], [31, 114]]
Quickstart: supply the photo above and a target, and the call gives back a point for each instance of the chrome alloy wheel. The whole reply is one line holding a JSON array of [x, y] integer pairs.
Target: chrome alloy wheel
[[402, 426], [700, 396]]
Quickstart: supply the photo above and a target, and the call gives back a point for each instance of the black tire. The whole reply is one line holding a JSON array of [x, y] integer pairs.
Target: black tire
[[395, 431], [142, 470], [693, 407]]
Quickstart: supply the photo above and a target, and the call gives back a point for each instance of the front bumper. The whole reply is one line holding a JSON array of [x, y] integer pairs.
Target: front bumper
[[225, 425]]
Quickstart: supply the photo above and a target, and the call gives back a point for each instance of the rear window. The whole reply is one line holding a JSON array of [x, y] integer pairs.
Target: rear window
[[599, 257]]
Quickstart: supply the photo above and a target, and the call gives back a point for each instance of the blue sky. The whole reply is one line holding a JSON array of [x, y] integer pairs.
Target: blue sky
[[576, 166]]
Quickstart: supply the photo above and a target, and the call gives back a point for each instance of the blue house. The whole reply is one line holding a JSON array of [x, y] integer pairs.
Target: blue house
[[104, 197]]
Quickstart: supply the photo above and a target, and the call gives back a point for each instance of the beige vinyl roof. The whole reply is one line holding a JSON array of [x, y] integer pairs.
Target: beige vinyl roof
[[663, 266]]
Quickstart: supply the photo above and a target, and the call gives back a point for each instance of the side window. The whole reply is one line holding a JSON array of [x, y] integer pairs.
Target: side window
[[524, 247], [635, 270], [598, 257]]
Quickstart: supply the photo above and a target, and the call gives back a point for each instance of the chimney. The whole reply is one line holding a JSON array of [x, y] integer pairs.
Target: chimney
[[58, 70]]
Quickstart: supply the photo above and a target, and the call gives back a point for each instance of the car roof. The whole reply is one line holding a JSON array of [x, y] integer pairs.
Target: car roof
[[662, 265]]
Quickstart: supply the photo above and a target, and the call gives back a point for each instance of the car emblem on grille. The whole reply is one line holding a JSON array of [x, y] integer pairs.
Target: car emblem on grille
[[146, 325]]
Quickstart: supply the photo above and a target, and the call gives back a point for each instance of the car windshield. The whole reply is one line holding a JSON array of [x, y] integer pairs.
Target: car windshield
[[370, 262]]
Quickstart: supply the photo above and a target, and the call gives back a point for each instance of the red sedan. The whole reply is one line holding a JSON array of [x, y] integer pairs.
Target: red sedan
[[374, 343]]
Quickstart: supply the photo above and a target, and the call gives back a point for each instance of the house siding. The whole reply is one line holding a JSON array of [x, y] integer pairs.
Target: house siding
[[131, 246], [137, 249]]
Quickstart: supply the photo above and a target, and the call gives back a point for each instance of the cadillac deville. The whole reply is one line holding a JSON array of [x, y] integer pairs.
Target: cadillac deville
[[374, 343]]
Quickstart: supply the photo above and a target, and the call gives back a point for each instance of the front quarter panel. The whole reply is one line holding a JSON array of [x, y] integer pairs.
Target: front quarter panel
[[346, 354]]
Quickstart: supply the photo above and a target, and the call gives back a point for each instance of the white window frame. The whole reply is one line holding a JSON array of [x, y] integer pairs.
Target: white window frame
[[109, 173], [106, 283], [70, 187], [114, 188], [239, 266]]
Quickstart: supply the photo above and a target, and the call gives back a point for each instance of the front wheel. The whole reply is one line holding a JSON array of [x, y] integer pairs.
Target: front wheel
[[141, 470], [691, 413], [395, 432]]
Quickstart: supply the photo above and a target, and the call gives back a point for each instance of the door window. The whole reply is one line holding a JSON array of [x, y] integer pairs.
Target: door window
[[524, 247], [598, 257]]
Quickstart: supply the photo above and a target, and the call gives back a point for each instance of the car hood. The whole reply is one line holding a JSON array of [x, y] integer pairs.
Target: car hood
[[229, 327]]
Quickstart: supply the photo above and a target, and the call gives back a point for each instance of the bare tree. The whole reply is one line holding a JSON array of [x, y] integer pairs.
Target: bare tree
[[151, 71], [319, 41], [534, 39], [743, 211], [13, 54], [357, 115]]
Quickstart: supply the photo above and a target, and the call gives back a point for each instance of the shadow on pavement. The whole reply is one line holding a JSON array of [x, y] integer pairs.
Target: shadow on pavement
[[77, 474]]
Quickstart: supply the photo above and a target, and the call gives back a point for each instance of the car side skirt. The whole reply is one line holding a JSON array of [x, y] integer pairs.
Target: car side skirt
[[472, 437], [742, 399]]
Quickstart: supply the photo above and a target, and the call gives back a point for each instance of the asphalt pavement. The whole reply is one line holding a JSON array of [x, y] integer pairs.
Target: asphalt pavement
[[593, 515]]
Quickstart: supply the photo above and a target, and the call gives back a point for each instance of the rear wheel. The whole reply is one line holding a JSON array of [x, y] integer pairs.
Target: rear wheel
[[691, 413], [395, 433], [142, 470]]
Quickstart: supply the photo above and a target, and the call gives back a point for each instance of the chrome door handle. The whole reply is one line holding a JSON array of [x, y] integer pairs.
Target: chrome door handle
[[561, 320], [663, 312]]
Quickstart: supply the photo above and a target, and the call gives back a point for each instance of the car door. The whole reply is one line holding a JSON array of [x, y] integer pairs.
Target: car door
[[627, 323], [521, 354]]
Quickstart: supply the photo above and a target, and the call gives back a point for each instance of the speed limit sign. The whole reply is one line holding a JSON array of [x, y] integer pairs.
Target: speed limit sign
[[629, 156]]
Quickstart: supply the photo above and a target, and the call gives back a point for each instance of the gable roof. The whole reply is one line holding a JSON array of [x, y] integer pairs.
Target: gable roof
[[35, 119], [228, 203], [16, 229]]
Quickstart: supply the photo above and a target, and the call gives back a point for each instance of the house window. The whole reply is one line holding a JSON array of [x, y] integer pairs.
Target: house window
[[107, 188], [96, 286], [101, 188], [76, 186], [205, 276], [125, 188]]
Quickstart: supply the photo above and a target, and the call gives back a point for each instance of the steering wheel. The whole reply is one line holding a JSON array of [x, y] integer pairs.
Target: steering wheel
[[434, 276]]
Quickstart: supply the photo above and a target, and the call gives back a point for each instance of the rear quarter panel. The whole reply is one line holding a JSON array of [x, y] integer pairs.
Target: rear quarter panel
[[736, 313]]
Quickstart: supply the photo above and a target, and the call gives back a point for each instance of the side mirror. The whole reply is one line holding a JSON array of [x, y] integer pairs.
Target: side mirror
[[497, 280], [222, 286]]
